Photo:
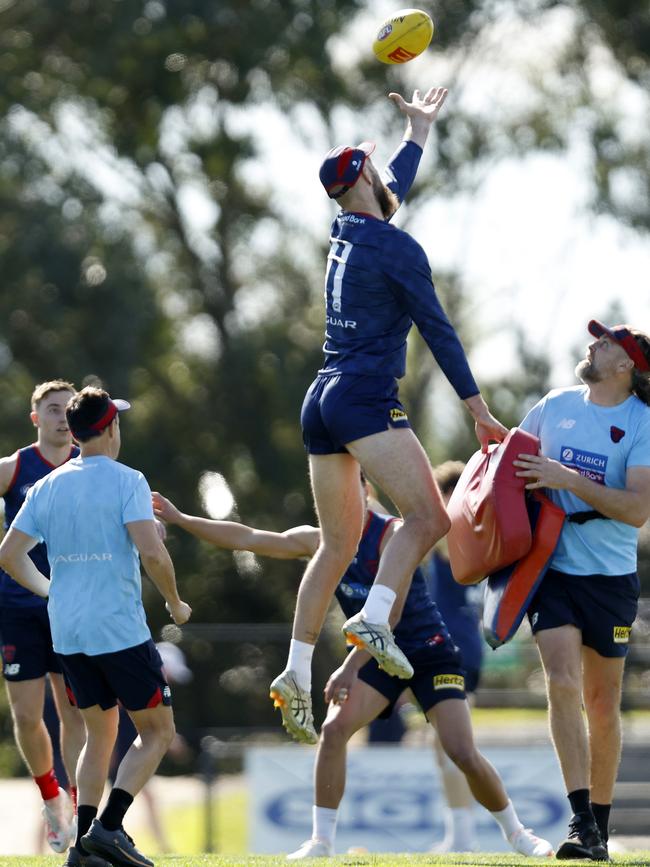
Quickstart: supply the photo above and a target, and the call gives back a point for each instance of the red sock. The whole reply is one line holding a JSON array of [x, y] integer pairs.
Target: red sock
[[73, 795], [48, 784]]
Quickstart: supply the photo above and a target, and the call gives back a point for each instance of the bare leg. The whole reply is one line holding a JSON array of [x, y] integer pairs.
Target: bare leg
[[155, 733], [73, 731], [561, 653], [396, 461], [92, 770], [453, 723], [26, 700], [603, 679], [338, 498], [362, 706]]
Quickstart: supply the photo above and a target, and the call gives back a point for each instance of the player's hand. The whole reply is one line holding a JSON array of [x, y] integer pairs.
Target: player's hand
[[543, 472], [164, 508], [489, 429], [180, 612], [337, 688], [421, 107]]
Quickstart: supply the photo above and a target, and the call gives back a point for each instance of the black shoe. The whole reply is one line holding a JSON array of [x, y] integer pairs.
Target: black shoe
[[584, 840], [76, 859], [116, 846]]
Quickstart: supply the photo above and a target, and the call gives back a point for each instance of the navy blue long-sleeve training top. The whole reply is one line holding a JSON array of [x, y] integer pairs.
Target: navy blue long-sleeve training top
[[379, 283]]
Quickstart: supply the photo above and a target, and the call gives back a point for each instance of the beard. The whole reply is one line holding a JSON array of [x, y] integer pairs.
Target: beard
[[386, 198], [587, 373]]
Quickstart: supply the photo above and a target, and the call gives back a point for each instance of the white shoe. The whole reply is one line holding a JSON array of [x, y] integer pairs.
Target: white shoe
[[312, 849], [378, 641], [295, 705], [59, 821], [526, 843]]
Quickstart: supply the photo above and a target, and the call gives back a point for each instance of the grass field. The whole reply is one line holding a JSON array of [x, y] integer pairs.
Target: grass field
[[638, 859]]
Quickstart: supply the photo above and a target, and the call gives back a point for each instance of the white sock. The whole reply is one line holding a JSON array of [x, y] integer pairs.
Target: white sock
[[324, 824], [300, 654], [378, 604], [460, 828], [508, 820]]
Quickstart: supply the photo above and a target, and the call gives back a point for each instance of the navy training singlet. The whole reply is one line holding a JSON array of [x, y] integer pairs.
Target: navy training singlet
[[421, 623], [30, 467]]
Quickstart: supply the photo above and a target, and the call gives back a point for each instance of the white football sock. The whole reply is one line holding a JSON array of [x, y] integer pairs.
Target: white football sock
[[508, 820], [460, 828], [378, 604], [300, 654], [324, 824]]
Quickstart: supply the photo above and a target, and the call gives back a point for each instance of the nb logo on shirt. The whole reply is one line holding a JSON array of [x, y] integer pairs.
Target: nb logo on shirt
[[567, 423]]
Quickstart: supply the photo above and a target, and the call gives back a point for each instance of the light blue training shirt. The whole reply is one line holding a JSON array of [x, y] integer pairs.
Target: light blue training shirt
[[601, 443], [80, 510]]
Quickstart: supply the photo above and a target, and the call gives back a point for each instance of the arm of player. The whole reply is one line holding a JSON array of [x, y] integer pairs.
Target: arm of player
[[159, 567], [7, 471], [15, 561], [292, 544], [420, 112], [630, 505], [486, 426]]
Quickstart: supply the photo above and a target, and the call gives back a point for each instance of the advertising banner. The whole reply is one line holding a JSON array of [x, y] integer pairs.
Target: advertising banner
[[393, 800]]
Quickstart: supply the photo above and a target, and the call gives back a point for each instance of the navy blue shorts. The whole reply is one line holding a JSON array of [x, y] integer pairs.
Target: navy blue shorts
[[26, 641], [132, 676], [602, 607], [438, 675], [341, 408]]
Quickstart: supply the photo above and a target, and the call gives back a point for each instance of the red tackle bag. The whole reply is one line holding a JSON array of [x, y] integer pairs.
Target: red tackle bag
[[490, 527]]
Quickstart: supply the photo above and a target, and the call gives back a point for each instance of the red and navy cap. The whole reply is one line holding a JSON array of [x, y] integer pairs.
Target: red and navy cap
[[105, 415], [624, 337], [342, 167]]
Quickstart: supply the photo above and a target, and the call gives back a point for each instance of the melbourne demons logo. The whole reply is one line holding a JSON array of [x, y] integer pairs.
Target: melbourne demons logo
[[8, 652]]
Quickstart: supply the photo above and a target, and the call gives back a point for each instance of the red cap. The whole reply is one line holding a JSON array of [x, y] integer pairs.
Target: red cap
[[624, 337]]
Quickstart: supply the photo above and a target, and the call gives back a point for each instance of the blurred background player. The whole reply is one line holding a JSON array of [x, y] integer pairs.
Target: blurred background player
[[95, 515], [595, 460], [359, 690], [378, 283], [459, 607], [25, 636]]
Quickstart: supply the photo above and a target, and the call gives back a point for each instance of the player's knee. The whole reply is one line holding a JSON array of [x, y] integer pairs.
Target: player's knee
[[602, 706], [167, 732], [463, 755], [26, 719], [434, 525], [334, 734], [563, 686]]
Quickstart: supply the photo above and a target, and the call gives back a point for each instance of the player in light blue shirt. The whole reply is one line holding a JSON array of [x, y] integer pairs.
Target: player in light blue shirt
[[95, 516], [594, 463]]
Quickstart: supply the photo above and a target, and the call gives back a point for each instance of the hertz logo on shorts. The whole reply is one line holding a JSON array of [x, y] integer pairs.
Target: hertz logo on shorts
[[397, 415], [448, 681], [622, 634]]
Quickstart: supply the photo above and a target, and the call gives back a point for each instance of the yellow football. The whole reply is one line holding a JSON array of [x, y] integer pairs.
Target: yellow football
[[403, 36]]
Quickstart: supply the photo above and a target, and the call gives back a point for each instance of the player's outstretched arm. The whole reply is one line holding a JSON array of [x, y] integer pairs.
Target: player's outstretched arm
[[420, 112], [292, 544], [159, 567], [14, 560]]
